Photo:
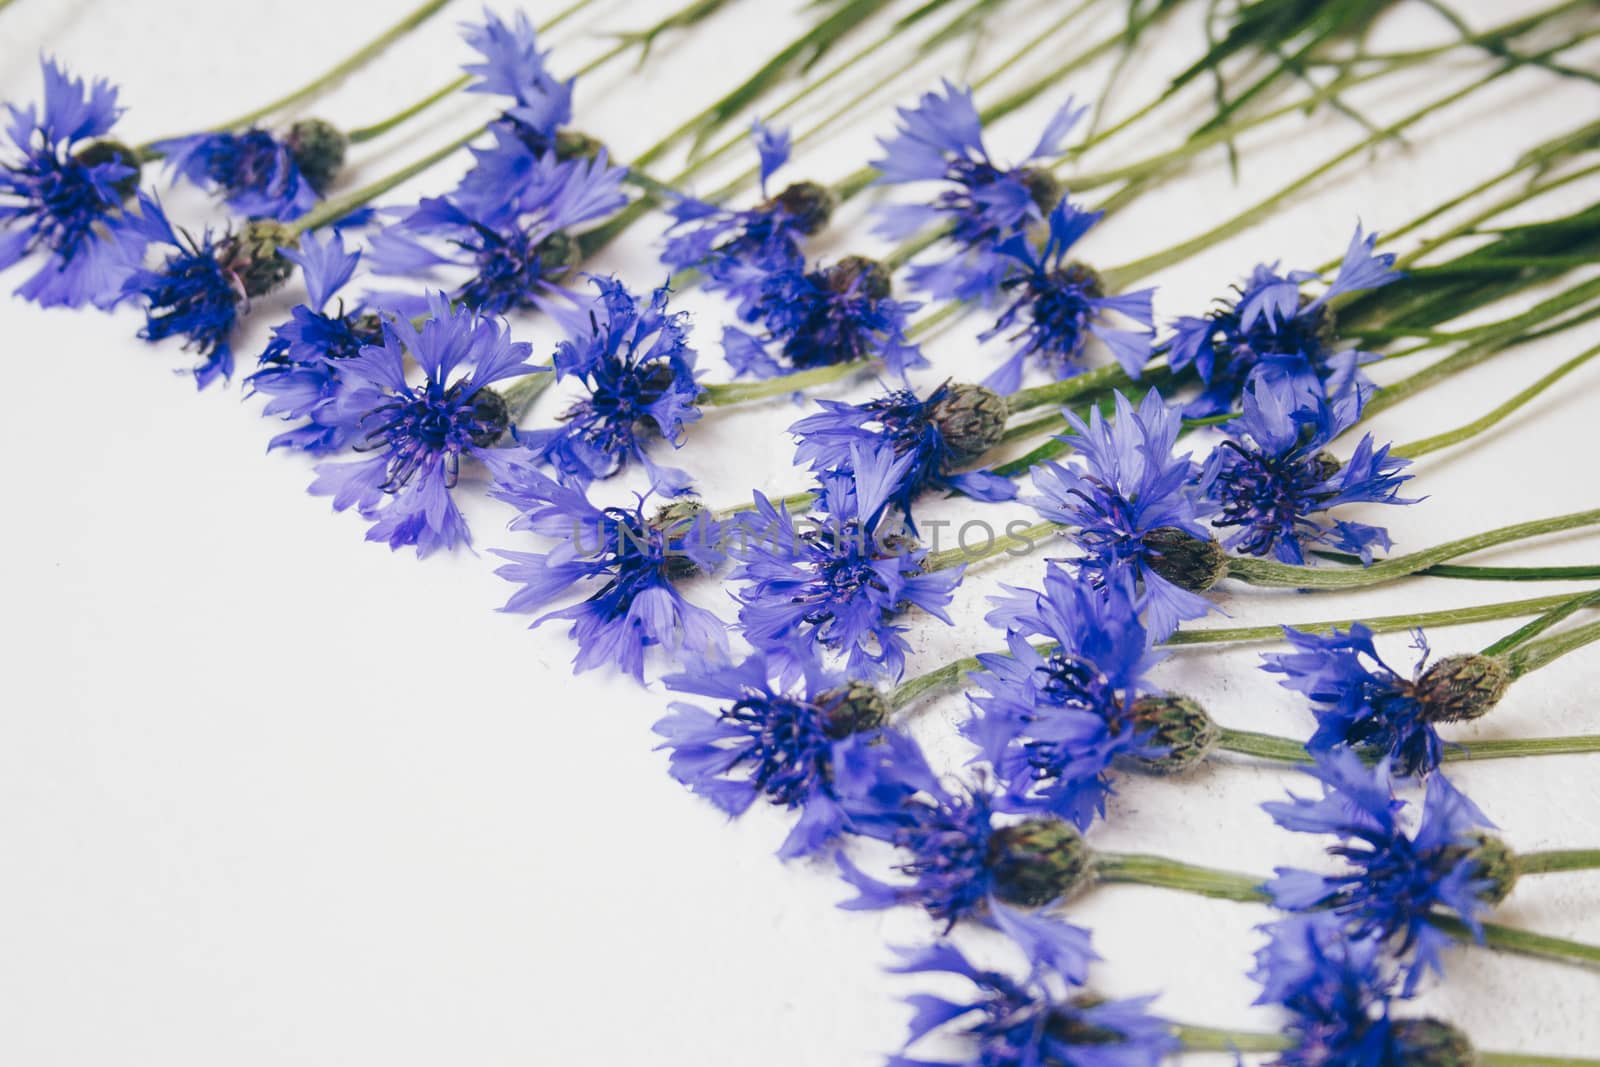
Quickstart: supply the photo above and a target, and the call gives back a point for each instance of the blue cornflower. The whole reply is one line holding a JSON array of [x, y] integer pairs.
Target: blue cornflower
[[1060, 304], [632, 560], [528, 135], [789, 744], [736, 251], [205, 284], [836, 583], [300, 371], [1052, 722], [420, 433], [255, 173], [63, 195], [517, 252], [1340, 990], [1337, 987], [820, 317], [638, 369], [1396, 882], [954, 426], [1133, 510], [1271, 329], [1044, 1019], [512, 66], [983, 206], [964, 864], [1362, 703], [1275, 482]]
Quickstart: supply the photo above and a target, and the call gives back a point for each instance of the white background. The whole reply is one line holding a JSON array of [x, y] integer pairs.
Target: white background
[[270, 794]]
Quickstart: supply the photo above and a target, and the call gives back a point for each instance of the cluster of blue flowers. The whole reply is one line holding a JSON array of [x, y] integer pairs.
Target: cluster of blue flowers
[[405, 396]]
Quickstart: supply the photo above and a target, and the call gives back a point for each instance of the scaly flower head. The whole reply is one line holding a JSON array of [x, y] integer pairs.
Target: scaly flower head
[[1361, 703], [737, 251], [953, 427], [842, 313], [964, 860], [420, 433], [300, 369], [62, 195], [1396, 881], [517, 251], [628, 561], [789, 744], [1044, 1019], [1133, 510], [837, 583], [983, 204], [1274, 480], [635, 362], [1052, 723], [257, 174], [1058, 304]]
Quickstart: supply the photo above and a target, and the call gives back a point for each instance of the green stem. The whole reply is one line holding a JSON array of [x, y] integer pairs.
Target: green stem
[[336, 208], [951, 673], [355, 61], [793, 502], [1163, 873], [1019, 543], [1382, 624], [1111, 376], [1261, 746], [726, 393], [1530, 657], [377, 129], [1542, 623], [1468, 226], [845, 109], [522, 392], [1120, 278], [1288, 750], [1284, 575], [1556, 860], [1210, 1039], [1499, 414], [1522, 942], [844, 18]]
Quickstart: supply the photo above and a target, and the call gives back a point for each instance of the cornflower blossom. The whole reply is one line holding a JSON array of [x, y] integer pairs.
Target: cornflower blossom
[[1396, 881], [1131, 511], [628, 562], [1274, 480], [982, 204], [420, 434], [634, 362], [1058, 305], [63, 196], [1271, 329], [301, 370]]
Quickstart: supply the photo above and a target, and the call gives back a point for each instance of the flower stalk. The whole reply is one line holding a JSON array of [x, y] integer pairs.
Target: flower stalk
[[1162, 873], [1271, 573], [952, 673]]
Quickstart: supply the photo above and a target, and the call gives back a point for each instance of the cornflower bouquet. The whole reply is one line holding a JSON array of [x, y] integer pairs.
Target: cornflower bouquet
[[1059, 476]]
